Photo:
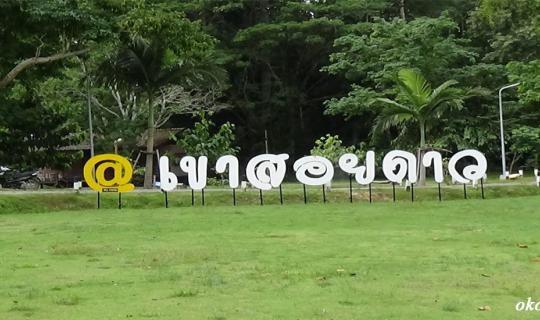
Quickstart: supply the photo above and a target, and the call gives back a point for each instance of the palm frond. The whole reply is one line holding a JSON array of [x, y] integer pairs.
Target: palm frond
[[443, 100], [193, 74], [393, 105], [143, 64], [130, 64], [442, 88], [393, 114], [129, 67], [476, 92], [414, 87], [386, 120]]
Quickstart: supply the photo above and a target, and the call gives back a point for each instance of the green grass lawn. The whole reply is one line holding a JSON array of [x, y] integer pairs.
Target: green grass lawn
[[422, 260]]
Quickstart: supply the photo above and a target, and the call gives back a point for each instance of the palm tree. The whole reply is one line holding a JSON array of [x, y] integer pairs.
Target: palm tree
[[418, 103], [141, 66]]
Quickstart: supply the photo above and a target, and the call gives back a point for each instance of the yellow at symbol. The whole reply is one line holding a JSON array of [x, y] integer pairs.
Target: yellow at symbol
[[122, 172]]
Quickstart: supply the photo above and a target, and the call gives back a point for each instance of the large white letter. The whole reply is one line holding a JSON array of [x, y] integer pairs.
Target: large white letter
[[168, 180], [405, 161], [266, 170], [363, 174], [196, 171], [435, 158], [232, 163], [471, 172], [314, 170]]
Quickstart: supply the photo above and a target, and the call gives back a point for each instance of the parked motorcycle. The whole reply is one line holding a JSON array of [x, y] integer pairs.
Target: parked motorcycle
[[28, 180]]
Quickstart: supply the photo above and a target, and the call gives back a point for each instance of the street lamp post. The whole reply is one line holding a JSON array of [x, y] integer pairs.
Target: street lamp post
[[116, 142], [90, 124], [503, 152]]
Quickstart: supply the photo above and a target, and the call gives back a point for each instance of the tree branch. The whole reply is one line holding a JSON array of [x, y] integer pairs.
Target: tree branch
[[30, 62]]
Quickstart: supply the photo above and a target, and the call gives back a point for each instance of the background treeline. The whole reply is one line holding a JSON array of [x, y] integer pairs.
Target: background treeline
[[297, 69]]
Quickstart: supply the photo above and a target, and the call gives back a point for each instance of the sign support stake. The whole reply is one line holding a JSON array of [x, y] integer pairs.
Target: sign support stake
[[350, 188], [305, 195], [412, 192], [166, 199], [465, 190], [119, 200], [369, 187], [261, 196], [234, 196], [192, 197], [482, 187], [440, 197], [280, 195], [323, 194], [394, 191], [202, 196]]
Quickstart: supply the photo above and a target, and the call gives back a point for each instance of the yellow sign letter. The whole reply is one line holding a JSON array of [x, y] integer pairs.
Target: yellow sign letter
[[121, 168]]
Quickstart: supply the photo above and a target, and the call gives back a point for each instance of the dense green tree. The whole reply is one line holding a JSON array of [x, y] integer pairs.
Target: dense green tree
[[284, 59], [162, 49], [274, 52], [36, 132], [283, 76], [371, 56], [142, 69], [51, 31], [525, 142], [207, 140], [38, 39], [508, 29], [528, 75]]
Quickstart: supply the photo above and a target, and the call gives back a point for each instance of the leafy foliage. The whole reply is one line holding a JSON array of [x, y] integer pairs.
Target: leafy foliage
[[205, 140], [374, 52], [331, 147], [185, 39], [35, 136], [528, 74], [526, 141], [372, 55], [510, 29], [294, 69]]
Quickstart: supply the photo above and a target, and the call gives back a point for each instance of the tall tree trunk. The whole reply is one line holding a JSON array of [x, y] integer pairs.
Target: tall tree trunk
[[422, 134], [293, 135], [420, 155], [149, 169], [402, 9], [515, 158]]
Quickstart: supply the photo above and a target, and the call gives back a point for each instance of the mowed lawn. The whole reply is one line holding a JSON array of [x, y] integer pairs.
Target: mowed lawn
[[424, 260]]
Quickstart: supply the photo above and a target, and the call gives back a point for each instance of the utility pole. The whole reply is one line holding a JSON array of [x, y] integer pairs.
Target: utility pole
[[266, 140]]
